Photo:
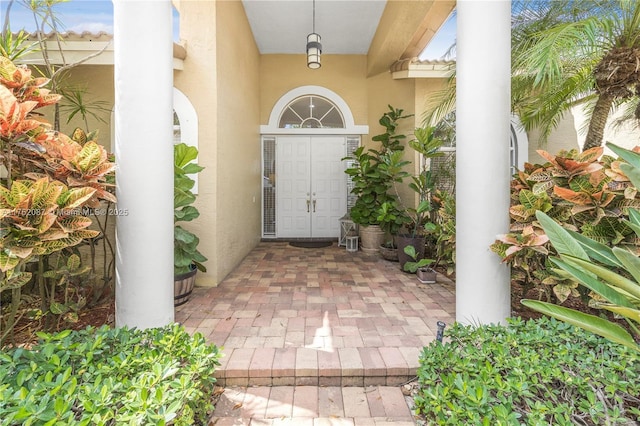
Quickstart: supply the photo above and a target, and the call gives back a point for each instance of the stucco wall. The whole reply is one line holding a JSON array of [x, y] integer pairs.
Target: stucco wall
[[384, 91], [343, 74], [199, 83], [97, 83], [220, 78], [626, 135], [426, 93], [238, 166], [564, 137]]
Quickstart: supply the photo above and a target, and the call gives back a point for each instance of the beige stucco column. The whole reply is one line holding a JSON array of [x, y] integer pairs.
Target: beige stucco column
[[144, 155], [483, 49]]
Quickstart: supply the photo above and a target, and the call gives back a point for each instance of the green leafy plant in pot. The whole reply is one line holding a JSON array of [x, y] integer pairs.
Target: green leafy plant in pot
[[372, 183], [418, 224], [187, 259], [420, 267], [391, 221]]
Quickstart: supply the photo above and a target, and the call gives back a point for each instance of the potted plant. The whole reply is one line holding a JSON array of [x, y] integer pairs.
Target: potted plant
[[391, 221], [372, 182], [187, 259], [417, 220], [420, 267]]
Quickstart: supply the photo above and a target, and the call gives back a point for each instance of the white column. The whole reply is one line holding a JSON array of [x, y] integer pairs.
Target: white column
[[483, 70], [144, 155]]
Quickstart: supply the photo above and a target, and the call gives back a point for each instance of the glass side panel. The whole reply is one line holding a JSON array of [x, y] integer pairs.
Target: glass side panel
[[268, 187], [353, 142]]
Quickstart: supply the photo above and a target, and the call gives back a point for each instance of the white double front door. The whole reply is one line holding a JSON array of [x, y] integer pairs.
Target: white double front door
[[311, 186]]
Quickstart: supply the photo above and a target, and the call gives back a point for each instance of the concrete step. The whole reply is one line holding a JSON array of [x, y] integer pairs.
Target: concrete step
[[312, 406], [385, 366]]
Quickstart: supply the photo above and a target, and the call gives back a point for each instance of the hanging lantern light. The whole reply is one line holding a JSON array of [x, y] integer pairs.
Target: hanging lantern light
[[314, 47]]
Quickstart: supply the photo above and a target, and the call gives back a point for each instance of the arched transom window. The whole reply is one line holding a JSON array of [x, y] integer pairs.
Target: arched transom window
[[311, 112]]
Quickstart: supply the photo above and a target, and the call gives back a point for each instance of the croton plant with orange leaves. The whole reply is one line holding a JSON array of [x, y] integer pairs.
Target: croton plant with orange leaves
[[48, 181], [585, 192]]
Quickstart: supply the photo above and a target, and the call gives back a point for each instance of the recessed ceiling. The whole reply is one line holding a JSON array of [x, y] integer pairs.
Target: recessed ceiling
[[346, 26]]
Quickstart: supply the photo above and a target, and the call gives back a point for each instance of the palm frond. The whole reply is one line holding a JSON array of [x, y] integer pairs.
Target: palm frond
[[628, 115], [544, 109], [440, 104]]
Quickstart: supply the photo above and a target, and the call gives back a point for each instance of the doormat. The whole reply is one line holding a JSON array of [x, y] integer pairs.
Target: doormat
[[311, 244]]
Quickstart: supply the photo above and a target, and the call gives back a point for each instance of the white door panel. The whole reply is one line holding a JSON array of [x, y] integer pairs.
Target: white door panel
[[328, 185], [292, 187], [311, 193]]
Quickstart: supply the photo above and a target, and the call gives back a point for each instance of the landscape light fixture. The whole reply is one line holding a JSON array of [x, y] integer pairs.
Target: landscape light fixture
[[314, 48]]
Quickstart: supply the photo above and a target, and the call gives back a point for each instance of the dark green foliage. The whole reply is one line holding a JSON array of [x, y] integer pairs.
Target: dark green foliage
[[423, 184], [391, 217], [185, 243], [371, 179], [371, 185], [446, 239], [538, 372], [109, 376]]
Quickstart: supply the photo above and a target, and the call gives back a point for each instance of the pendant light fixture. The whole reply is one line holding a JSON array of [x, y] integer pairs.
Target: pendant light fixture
[[314, 48]]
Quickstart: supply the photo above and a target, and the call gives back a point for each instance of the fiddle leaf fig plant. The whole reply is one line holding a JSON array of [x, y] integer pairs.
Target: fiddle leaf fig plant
[[186, 242], [371, 179], [416, 219]]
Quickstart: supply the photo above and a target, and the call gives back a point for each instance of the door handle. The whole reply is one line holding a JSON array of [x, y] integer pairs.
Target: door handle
[[308, 203], [314, 206]]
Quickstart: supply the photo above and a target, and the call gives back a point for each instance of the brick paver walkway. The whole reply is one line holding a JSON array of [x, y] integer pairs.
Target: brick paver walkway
[[292, 320], [313, 406]]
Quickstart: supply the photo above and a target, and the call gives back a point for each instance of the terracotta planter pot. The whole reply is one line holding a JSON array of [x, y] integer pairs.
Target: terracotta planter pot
[[403, 241], [183, 286], [371, 238]]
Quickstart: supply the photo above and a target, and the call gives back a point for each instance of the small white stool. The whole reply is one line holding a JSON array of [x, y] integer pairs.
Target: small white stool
[[352, 243]]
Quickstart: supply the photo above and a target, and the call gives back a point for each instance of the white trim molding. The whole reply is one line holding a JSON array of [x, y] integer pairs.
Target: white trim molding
[[522, 141], [188, 118], [350, 128]]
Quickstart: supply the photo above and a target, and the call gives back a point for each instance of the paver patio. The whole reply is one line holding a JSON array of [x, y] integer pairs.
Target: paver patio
[[290, 319]]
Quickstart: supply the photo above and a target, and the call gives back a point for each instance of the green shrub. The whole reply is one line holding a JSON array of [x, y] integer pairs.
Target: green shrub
[[534, 373], [109, 376]]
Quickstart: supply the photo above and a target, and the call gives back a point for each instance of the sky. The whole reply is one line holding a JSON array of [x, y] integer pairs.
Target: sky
[[442, 41], [76, 15], [86, 15], [97, 15]]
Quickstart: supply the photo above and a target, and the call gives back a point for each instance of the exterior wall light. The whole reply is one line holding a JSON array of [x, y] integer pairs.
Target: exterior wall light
[[314, 47]]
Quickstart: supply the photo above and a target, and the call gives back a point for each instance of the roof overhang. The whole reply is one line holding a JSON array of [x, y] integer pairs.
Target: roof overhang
[[86, 48], [414, 68], [405, 29]]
